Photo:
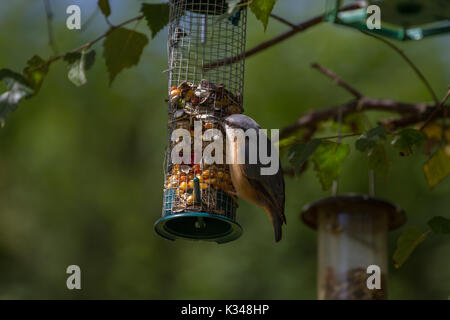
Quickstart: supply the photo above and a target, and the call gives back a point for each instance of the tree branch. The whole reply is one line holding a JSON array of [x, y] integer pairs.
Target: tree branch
[[90, 43], [330, 74], [436, 110], [311, 119], [49, 14], [411, 64], [300, 27]]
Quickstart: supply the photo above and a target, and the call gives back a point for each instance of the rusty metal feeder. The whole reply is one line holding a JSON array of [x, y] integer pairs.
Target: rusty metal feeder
[[352, 235]]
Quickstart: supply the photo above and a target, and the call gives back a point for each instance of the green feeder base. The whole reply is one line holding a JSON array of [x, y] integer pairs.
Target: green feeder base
[[198, 226]]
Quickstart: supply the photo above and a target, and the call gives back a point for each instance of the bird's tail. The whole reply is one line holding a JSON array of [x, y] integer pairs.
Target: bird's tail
[[277, 221]]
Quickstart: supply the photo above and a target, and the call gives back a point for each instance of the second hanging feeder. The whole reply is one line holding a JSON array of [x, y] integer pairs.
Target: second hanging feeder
[[352, 235], [199, 201]]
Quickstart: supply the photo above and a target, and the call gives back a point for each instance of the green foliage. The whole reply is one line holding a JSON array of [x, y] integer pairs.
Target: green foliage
[[18, 89], [328, 159], [123, 49], [78, 63], [406, 139], [412, 237], [438, 166], [35, 72], [372, 143], [156, 15], [104, 7], [406, 243], [378, 160], [369, 139], [300, 153], [440, 225], [262, 10]]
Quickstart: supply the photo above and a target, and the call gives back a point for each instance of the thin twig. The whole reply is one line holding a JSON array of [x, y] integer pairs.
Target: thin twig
[[302, 26], [283, 21], [436, 110], [90, 19], [330, 74], [408, 60], [49, 14], [90, 43]]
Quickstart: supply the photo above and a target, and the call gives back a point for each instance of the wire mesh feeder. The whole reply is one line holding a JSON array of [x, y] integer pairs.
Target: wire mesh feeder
[[199, 201]]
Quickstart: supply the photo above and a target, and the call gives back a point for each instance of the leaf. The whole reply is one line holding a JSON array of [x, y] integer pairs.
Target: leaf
[[157, 16], [122, 49], [300, 153], [328, 159], [407, 138], [378, 160], [439, 225], [18, 89], [78, 64], [434, 132], [35, 72], [262, 10], [369, 139], [438, 166], [355, 123], [104, 7], [406, 243]]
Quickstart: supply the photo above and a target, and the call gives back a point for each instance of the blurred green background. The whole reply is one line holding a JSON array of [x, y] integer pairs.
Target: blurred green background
[[81, 169]]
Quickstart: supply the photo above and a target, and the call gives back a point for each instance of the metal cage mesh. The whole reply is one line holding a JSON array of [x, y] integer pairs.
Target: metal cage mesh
[[201, 32]]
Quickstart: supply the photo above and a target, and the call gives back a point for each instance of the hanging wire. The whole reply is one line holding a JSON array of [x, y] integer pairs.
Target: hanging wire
[[335, 182]]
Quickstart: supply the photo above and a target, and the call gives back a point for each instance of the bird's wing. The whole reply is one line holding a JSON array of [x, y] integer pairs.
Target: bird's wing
[[271, 186]]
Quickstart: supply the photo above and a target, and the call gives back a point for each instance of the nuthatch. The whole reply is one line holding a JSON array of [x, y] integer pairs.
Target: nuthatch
[[265, 191]]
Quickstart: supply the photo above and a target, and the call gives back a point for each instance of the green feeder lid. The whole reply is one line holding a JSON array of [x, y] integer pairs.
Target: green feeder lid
[[198, 226], [400, 19]]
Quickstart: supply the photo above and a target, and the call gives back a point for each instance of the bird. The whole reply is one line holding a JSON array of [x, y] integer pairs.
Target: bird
[[177, 36], [235, 18], [265, 191]]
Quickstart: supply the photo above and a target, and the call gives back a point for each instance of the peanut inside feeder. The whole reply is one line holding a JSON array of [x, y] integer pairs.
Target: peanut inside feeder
[[199, 201]]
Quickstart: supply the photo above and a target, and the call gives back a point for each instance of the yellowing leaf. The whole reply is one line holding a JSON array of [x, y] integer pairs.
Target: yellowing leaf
[[123, 49], [262, 10], [35, 72], [406, 244], [328, 159], [438, 166], [433, 131]]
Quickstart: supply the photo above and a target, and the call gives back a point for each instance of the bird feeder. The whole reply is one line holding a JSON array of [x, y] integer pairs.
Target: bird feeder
[[199, 201], [400, 19], [352, 235]]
